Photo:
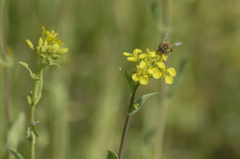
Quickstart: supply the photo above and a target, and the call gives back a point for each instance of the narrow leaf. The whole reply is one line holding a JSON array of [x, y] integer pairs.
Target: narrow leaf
[[31, 74], [54, 64], [32, 127], [111, 155], [16, 154], [16, 133], [29, 98], [39, 93], [131, 83], [140, 103]]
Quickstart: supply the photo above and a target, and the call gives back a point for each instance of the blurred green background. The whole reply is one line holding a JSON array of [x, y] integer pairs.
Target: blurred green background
[[83, 107]]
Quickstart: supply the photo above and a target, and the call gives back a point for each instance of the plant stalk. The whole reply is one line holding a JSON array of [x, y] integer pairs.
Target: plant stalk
[[34, 95], [126, 126]]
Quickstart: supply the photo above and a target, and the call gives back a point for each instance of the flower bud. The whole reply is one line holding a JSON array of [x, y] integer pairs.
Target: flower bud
[[55, 56], [42, 56], [53, 48], [45, 43], [62, 51], [37, 48], [135, 106], [40, 42], [43, 49], [29, 44]]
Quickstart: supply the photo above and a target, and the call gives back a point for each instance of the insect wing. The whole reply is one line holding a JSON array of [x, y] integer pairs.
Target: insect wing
[[177, 44], [165, 36]]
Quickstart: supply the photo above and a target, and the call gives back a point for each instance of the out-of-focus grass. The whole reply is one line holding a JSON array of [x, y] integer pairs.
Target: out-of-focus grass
[[82, 109]]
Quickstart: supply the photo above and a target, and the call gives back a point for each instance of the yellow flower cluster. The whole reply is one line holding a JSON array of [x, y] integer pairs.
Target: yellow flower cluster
[[48, 45], [150, 65]]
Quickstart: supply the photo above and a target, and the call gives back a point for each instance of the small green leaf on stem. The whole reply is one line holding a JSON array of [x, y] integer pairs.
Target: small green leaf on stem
[[129, 79], [32, 127], [31, 74], [111, 155], [29, 98], [39, 93], [54, 64], [16, 154], [140, 103]]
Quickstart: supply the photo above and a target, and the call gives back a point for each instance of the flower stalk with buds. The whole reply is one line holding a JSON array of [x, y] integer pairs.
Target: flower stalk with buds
[[48, 48]]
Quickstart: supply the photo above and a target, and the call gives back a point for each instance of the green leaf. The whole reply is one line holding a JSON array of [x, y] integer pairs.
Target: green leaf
[[111, 155], [16, 133], [31, 74], [16, 154], [40, 87], [140, 103], [54, 64], [32, 128], [29, 98], [131, 83]]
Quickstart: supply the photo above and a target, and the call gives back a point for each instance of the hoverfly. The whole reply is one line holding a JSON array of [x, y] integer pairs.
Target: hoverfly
[[165, 46]]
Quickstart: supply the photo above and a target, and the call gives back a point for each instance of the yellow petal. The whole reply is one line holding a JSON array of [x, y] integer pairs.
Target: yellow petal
[[161, 65], [153, 54], [132, 59], [142, 65], [147, 50], [137, 51], [164, 57], [157, 74], [44, 30], [127, 54], [172, 71], [143, 56], [168, 79], [144, 80], [151, 70], [136, 77]]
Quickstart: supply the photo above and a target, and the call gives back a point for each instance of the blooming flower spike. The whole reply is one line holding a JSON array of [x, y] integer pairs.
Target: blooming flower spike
[[151, 63]]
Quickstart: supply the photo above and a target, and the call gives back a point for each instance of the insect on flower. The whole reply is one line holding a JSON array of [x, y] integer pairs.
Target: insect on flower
[[165, 46]]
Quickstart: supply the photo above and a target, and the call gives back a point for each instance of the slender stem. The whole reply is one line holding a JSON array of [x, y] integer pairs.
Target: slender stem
[[7, 75], [126, 126], [34, 95]]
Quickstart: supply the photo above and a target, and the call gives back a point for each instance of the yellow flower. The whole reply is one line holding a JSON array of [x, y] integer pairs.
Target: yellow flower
[[148, 54], [50, 37], [133, 57], [141, 76], [155, 72], [169, 78], [143, 65]]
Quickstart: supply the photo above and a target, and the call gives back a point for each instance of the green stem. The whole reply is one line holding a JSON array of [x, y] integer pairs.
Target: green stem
[[34, 95], [126, 126]]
